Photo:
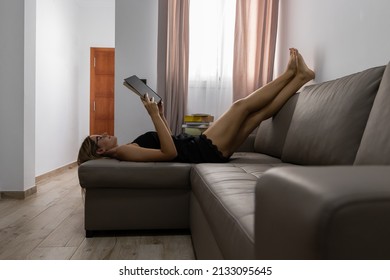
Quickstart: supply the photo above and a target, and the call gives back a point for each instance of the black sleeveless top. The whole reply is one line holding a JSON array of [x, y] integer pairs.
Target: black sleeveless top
[[190, 149]]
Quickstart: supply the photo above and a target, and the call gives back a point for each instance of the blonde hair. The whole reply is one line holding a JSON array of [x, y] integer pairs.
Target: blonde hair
[[88, 151]]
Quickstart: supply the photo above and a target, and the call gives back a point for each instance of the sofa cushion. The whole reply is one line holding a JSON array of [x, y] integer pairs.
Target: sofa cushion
[[103, 173], [251, 157], [375, 145], [226, 194], [329, 119], [272, 133]]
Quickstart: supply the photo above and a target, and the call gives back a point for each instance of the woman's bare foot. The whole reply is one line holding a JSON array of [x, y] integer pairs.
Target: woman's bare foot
[[292, 63], [303, 71]]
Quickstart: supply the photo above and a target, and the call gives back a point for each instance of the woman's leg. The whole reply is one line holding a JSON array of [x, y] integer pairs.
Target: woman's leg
[[225, 129], [264, 95], [270, 110], [234, 127]]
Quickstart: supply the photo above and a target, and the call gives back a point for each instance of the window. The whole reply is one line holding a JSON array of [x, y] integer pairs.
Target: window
[[211, 56]]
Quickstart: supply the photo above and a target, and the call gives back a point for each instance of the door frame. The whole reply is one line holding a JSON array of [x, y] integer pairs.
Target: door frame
[[92, 104]]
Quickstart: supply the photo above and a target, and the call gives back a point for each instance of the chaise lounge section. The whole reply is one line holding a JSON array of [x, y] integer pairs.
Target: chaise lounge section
[[312, 183]]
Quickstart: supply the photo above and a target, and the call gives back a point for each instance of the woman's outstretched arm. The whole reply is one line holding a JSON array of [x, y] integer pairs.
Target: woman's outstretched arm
[[164, 134], [162, 115], [167, 152]]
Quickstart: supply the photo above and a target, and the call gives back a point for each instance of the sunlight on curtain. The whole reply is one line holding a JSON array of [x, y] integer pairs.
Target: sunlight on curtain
[[211, 56]]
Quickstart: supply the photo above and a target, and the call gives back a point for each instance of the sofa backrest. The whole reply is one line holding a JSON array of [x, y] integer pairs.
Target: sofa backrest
[[329, 119], [272, 133], [375, 145]]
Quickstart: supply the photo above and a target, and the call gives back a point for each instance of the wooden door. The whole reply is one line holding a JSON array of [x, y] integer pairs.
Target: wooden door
[[102, 90]]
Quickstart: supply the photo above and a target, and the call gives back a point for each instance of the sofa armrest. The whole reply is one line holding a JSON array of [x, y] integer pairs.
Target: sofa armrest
[[112, 173], [338, 212]]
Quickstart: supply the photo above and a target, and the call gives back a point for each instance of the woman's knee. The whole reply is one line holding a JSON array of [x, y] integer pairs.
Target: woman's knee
[[241, 106]]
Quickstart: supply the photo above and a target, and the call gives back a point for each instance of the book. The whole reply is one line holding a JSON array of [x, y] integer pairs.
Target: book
[[196, 124], [200, 118], [139, 87], [193, 130]]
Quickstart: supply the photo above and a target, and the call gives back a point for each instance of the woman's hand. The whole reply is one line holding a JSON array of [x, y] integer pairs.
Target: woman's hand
[[167, 151], [150, 105], [161, 108]]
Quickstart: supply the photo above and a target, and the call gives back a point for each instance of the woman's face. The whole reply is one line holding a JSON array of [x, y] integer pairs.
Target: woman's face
[[105, 141]]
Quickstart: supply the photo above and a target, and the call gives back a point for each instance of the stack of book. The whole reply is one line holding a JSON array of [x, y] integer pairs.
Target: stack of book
[[197, 123]]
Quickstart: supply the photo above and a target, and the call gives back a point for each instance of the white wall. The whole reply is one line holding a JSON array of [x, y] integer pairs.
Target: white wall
[[56, 84], [30, 7], [136, 53], [337, 37], [66, 29], [12, 95], [97, 29]]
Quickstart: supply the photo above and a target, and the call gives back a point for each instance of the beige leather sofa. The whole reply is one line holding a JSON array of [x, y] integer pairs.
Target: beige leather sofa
[[312, 183]]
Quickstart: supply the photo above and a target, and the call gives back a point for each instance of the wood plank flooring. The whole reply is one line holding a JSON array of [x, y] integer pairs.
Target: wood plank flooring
[[49, 225]]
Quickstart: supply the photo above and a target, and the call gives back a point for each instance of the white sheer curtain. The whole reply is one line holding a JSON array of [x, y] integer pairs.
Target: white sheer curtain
[[211, 56]]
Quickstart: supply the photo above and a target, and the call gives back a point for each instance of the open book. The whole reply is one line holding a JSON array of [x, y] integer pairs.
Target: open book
[[140, 88]]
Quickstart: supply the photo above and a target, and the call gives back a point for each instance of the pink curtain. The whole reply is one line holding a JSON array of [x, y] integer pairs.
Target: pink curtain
[[176, 76], [254, 46]]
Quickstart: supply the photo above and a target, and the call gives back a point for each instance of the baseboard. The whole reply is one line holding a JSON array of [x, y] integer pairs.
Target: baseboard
[[38, 179], [55, 172], [18, 194]]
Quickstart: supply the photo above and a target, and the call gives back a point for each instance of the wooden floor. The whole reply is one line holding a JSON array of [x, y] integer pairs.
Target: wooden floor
[[50, 225]]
